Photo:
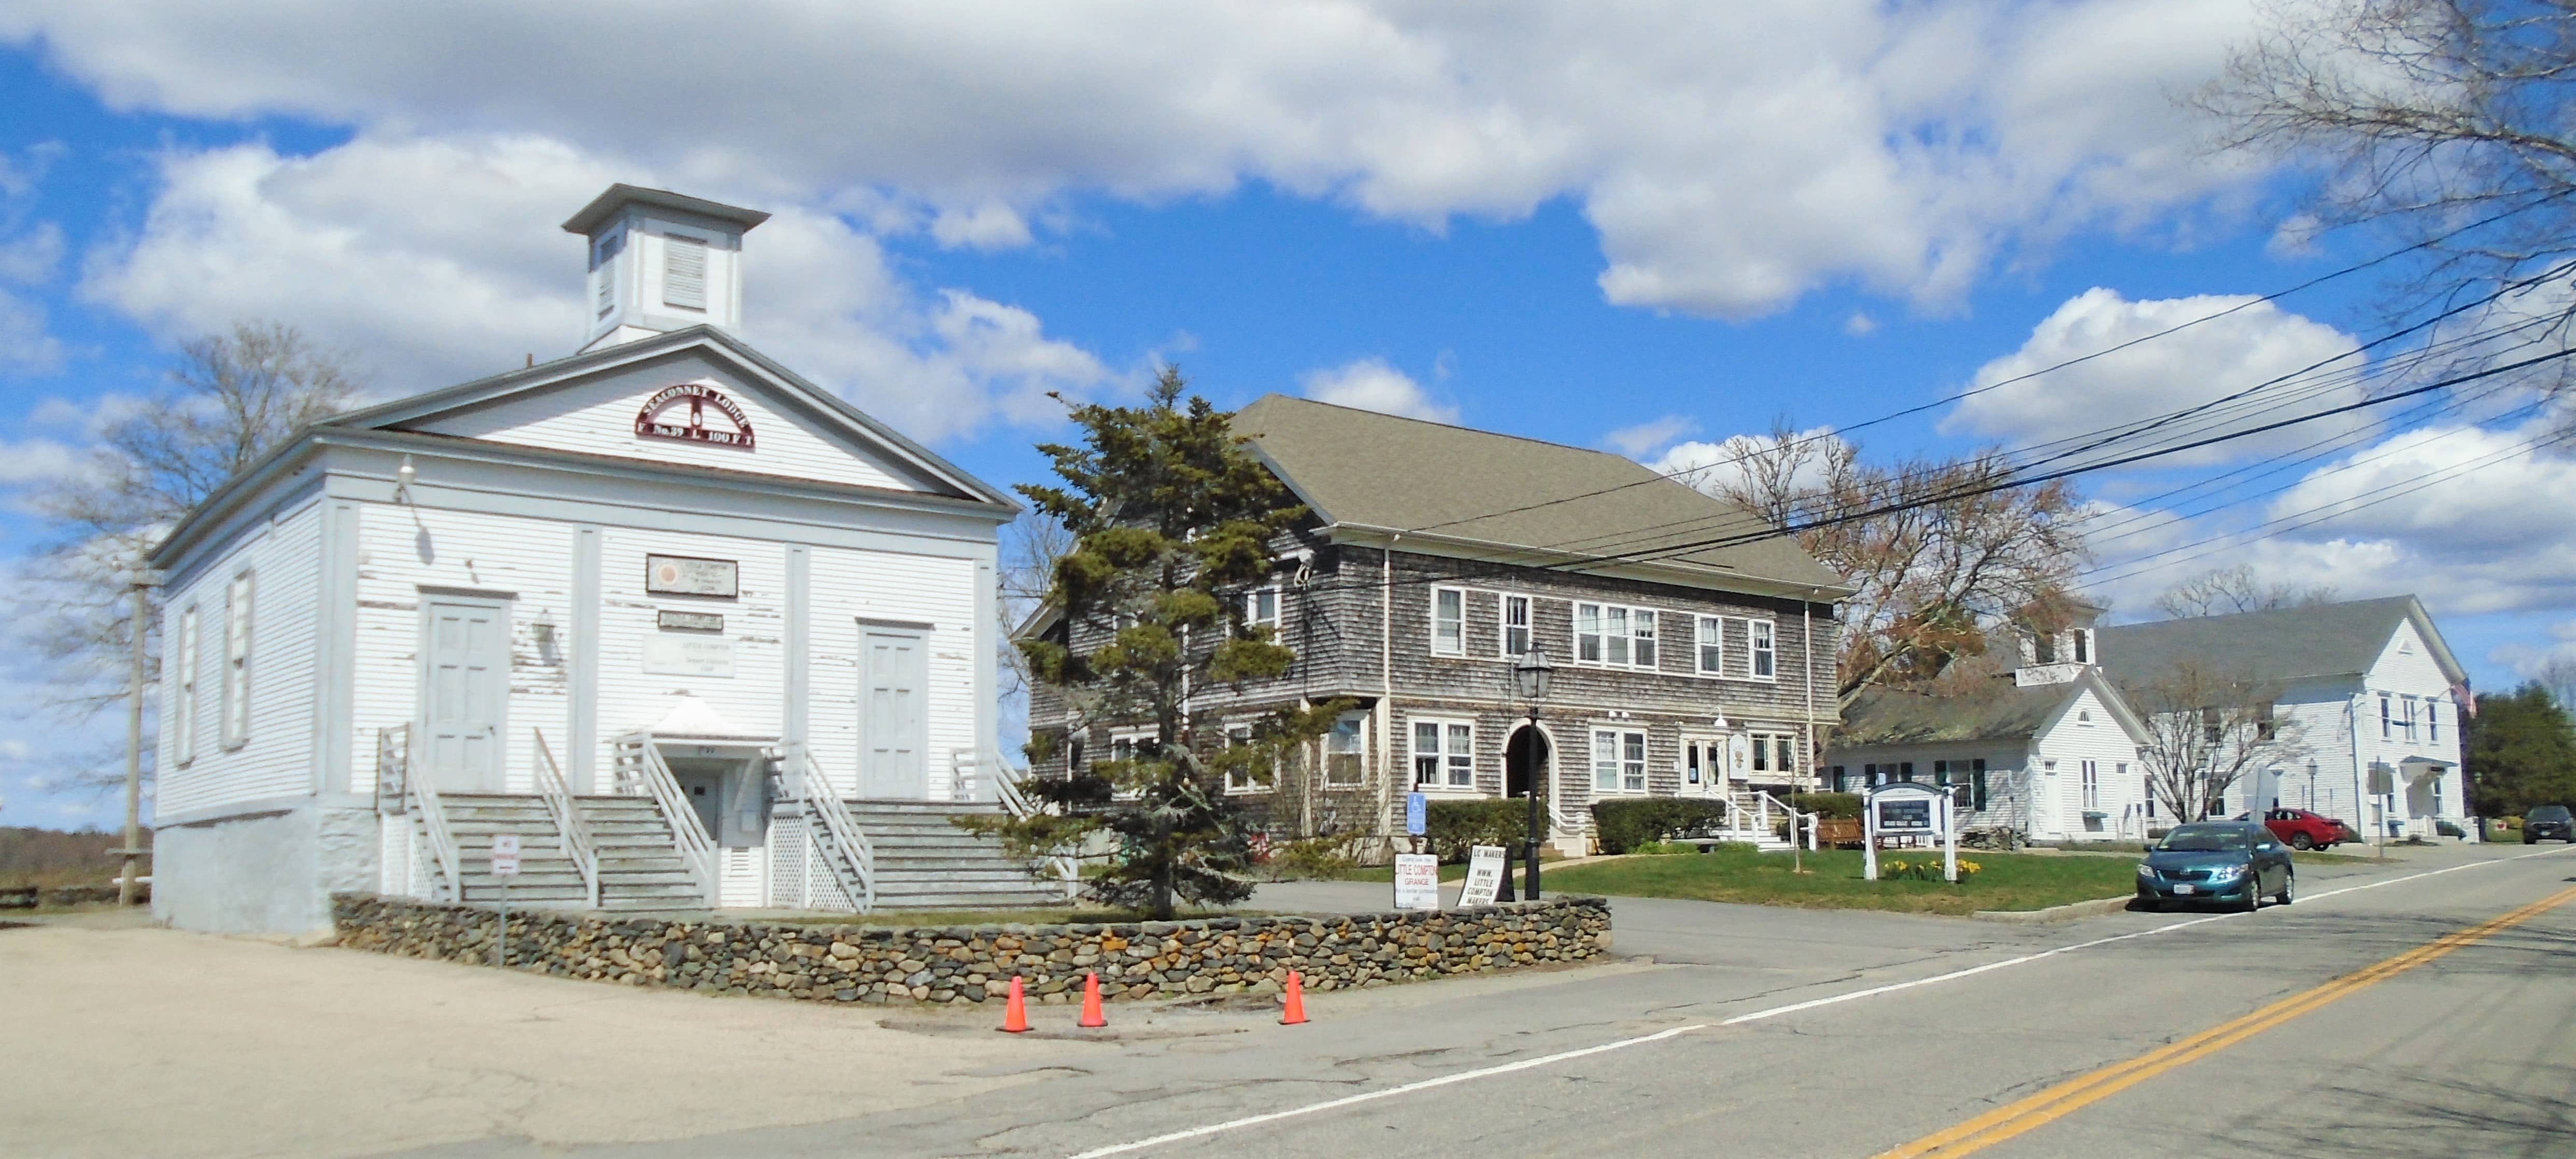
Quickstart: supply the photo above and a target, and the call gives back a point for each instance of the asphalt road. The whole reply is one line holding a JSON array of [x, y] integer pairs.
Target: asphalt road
[[1793, 1033]]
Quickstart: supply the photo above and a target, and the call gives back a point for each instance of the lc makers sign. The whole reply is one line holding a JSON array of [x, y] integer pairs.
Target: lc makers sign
[[681, 413]]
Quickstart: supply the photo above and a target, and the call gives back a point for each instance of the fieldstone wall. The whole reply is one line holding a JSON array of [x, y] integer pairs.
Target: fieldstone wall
[[963, 964]]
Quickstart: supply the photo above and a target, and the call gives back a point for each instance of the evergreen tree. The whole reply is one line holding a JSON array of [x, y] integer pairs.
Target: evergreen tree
[[2522, 753], [1171, 522]]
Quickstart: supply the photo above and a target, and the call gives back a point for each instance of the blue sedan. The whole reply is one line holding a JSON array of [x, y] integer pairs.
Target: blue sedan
[[2232, 863]]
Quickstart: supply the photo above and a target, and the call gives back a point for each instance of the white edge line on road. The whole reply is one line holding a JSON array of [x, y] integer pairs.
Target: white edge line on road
[[1755, 1016], [1408, 1088]]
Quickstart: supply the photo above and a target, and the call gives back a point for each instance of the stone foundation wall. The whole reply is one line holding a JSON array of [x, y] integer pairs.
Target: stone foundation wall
[[975, 963]]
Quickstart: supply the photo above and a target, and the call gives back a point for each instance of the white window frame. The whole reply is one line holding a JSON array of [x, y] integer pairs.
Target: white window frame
[[1457, 626], [1626, 765], [2406, 717], [1708, 645], [1243, 780], [1124, 744], [1252, 615], [184, 659], [1762, 650], [1451, 758], [1761, 638], [1528, 626], [2432, 720], [2092, 786], [239, 599], [1357, 737], [1626, 631], [2387, 728], [1769, 747]]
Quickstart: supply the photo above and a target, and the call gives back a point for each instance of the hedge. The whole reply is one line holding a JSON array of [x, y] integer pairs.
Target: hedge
[[1624, 825], [1454, 826], [1826, 804]]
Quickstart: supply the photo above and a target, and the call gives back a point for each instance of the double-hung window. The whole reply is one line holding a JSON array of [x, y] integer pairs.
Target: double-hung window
[[1516, 627], [2092, 787], [1765, 660], [2433, 720], [1448, 622], [1261, 609], [2387, 726], [2406, 717], [1775, 752], [1254, 776], [1615, 636], [236, 674], [1618, 761], [1444, 754], [183, 655], [1756, 643], [1342, 767], [1711, 653]]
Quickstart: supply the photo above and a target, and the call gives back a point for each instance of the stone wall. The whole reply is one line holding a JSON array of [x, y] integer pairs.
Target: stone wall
[[964, 964]]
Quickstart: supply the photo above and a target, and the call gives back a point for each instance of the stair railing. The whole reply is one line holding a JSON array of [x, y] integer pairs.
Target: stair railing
[[1015, 801], [568, 819], [827, 812], [640, 764], [421, 800]]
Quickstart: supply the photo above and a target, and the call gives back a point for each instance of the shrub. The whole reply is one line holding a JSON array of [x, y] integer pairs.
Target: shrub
[[1315, 858], [1625, 824], [1826, 804], [1456, 826], [1662, 847]]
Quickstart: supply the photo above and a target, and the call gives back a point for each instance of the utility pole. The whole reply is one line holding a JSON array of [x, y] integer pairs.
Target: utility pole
[[141, 584]]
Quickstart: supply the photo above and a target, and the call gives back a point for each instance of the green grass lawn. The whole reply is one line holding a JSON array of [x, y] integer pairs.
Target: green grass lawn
[[1833, 881]]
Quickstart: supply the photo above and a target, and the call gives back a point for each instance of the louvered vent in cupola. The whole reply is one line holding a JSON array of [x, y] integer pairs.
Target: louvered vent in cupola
[[690, 245], [684, 273]]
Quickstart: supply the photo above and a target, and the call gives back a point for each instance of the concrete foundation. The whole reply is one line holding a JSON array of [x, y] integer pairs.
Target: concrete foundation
[[270, 872]]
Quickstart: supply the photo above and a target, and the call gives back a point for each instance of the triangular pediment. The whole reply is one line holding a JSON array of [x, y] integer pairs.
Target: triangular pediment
[[696, 398]]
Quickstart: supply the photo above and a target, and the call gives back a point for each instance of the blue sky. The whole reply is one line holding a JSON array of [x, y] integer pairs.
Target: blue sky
[[1642, 228]]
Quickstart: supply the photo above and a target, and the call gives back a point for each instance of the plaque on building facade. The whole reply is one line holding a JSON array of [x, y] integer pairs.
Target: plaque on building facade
[[689, 621], [688, 656], [680, 413], [681, 575]]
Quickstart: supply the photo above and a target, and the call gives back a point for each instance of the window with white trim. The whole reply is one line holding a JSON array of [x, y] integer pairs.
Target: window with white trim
[[1129, 745], [2433, 719], [1444, 754], [1261, 609], [1711, 654], [2406, 717], [1255, 777], [236, 674], [2387, 724], [1775, 752], [1343, 759], [183, 655], [1614, 636], [1516, 627], [1618, 761], [2092, 787], [1448, 622], [1764, 650]]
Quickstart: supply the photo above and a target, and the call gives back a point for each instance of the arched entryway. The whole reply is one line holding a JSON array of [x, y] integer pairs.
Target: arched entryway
[[1527, 750]]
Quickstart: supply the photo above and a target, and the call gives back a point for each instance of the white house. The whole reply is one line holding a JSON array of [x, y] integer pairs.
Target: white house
[[2366, 691], [695, 630], [2050, 749]]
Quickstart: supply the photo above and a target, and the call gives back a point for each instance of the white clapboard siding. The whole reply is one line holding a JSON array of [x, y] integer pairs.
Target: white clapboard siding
[[276, 758], [2070, 743], [403, 548], [597, 416], [752, 699], [849, 585]]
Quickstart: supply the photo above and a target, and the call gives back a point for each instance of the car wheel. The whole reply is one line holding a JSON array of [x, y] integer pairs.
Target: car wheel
[[2289, 887], [2302, 842], [2528, 839]]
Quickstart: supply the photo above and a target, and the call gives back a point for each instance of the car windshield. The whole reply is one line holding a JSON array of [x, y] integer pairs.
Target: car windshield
[[2548, 813], [2191, 839]]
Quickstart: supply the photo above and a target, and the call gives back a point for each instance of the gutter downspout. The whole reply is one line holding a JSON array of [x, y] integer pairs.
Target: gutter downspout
[[1807, 656], [1386, 688]]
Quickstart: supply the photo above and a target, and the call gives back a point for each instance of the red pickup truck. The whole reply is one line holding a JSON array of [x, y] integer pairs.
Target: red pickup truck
[[2302, 829]]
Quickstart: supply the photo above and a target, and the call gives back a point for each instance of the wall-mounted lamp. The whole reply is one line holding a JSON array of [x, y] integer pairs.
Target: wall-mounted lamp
[[403, 475], [549, 645], [1720, 722]]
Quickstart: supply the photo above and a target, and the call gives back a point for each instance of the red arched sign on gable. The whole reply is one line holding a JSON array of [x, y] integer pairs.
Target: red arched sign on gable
[[663, 417]]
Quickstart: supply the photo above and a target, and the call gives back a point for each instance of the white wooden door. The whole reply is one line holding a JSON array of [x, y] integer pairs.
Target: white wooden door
[[1703, 767], [894, 758], [465, 692]]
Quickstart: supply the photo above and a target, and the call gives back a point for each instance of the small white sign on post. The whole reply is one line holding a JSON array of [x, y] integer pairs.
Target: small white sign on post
[[505, 855], [1484, 876], [1417, 881]]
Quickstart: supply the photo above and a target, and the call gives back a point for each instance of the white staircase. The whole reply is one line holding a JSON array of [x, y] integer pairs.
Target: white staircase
[[924, 862], [1752, 817], [640, 865]]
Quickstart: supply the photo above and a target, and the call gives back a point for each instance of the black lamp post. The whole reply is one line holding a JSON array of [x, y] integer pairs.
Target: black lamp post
[[1532, 674]]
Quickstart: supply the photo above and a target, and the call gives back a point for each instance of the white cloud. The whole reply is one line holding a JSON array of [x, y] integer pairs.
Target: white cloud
[[1647, 437], [2208, 361], [437, 260], [1860, 325], [1371, 384], [1719, 467], [1732, 156], [36, 460]]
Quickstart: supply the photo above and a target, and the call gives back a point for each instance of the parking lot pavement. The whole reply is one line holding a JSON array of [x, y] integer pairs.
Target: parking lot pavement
[[126, 1041]]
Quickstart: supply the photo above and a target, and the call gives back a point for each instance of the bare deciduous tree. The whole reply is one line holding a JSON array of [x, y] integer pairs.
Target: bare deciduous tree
[[1931, 579], [2427, 118], [2559, 677], [2225, 591], [2206, 729], [232, 397]]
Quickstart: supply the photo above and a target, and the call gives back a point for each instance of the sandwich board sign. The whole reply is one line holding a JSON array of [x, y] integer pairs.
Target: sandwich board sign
[[1484, 876], [1417, 881], [1908, 809]]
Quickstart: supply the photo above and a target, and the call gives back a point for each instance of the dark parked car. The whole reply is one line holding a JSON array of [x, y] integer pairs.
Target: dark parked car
[[2233, 863], [2306, 830], [2551, 821]]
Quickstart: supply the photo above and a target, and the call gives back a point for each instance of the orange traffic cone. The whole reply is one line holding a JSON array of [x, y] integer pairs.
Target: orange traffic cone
[[1296, 1011], [1015, 1013], [1091, 1015]]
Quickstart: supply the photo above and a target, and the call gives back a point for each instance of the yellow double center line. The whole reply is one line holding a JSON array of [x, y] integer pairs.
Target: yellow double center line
[[2066, 1098]]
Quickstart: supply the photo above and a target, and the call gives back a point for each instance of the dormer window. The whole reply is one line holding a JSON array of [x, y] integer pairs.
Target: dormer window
[[684, 272]]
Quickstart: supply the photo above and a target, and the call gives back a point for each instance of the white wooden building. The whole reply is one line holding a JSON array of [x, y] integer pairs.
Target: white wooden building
[[640, 606]]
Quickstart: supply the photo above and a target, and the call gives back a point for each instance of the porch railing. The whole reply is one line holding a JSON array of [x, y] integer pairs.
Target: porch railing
[[420, 799], [1015, 801], [640, 767], [577, 844]]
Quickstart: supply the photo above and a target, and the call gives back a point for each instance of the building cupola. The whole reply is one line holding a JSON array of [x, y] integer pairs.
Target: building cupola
[[2054, 653], [661, 261]]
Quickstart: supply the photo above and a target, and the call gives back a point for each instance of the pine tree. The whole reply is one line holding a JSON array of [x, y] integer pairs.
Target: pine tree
[[2522, 753], [1171, 522]]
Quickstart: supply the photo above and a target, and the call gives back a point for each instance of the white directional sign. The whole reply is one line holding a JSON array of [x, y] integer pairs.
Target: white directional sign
[[505, 855]]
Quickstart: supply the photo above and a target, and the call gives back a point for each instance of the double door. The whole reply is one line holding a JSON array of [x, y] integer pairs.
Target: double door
[[1704, 766]]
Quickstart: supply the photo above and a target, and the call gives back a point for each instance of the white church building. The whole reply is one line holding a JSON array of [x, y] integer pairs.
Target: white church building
[[693, 629]]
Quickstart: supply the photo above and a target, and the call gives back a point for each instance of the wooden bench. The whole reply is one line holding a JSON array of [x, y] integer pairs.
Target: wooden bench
[[1839, 832]]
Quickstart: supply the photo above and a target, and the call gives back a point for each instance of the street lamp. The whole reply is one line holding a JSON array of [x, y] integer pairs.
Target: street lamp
[[1531, 675]]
